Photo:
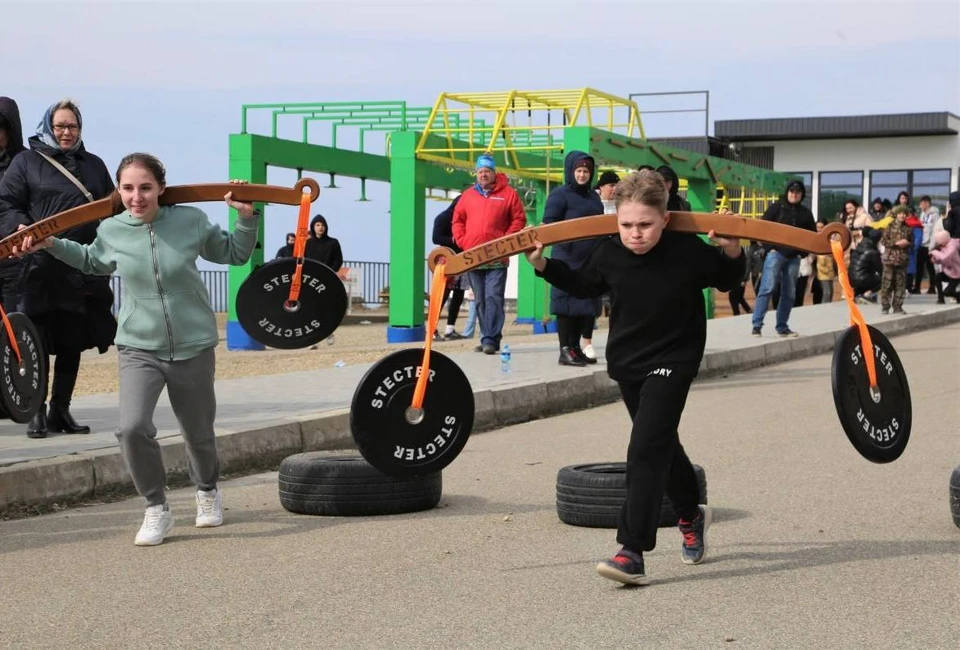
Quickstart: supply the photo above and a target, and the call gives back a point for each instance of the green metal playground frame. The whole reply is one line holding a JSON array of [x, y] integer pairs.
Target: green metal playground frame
[[433, 148]]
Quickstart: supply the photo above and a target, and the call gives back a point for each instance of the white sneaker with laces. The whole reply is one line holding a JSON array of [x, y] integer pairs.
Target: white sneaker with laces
[[157, 522], [209, 508], [589, 352]]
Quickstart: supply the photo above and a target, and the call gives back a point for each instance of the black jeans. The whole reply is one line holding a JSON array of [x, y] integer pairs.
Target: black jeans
[[816, 289], [801, 290], [951, 290], [456, 300], [736, 299], [66, 366], [924, 263], [656, 461], [571, 328], [587, 326]]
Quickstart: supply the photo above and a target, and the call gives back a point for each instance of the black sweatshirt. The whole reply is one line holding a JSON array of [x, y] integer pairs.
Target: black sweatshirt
[[657, 314]]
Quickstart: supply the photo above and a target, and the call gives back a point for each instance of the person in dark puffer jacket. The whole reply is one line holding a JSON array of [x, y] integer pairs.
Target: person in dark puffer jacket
[[675, 202], [456, 287], [781, 265], [866, 268], [11, 144], [321, 246], [951, 222], [72, 310], [11, 133], [572, 200]]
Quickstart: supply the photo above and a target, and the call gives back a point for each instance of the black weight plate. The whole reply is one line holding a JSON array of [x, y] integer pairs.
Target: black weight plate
[[378, 414], [262, 299], [21, 385], [878, 428]]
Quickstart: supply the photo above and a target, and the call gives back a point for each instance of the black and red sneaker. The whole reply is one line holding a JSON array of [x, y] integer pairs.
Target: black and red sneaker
[[626, 567], [694, 548]]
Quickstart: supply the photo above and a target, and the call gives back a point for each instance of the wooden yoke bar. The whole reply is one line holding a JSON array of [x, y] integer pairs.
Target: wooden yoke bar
[[768, 232], [111, 205]]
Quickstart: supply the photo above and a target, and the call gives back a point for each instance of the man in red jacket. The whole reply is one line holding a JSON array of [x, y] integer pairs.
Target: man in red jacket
[[488, 210]]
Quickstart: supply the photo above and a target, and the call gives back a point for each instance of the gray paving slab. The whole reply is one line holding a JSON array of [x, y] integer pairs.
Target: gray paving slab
[[318, 399]]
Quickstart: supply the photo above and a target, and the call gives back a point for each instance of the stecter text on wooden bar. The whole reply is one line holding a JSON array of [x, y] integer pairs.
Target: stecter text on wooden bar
[[111, 205], [767, 232]]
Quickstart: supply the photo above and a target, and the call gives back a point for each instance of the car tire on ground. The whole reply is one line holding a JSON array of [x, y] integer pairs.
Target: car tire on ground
[[318, 483], [592, 494], [955, 495]]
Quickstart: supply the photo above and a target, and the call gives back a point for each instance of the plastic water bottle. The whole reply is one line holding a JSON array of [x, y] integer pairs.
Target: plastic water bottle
[[505, 359]]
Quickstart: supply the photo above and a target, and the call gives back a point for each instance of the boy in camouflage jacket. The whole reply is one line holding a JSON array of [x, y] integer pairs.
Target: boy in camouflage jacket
[[896, 255]]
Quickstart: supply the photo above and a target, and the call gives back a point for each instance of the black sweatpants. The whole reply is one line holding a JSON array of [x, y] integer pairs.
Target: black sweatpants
[[656, 461], [571, 328]]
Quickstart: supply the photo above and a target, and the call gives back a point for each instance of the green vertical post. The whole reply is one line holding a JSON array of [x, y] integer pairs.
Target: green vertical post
[[408, 194], [532, 292], [243, 165], [702, 196]]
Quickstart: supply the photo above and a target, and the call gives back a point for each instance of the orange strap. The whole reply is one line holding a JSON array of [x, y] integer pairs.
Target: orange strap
[[11, 335], [856, 318], [437, 289], [300, 245]]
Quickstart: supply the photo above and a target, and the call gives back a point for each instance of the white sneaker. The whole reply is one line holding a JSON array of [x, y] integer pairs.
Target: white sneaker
[[157, 522], [589, 352], [209, 508]]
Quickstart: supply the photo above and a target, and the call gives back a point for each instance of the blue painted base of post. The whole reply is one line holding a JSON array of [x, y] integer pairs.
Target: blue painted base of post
[[526, 320], [549, 328], [415, 334], [238, 339]]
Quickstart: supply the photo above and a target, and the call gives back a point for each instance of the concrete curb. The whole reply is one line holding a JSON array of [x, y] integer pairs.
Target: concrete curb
[[100, 473]]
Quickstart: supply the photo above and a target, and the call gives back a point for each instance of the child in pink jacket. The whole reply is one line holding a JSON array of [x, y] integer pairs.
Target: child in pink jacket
[[947, 255]]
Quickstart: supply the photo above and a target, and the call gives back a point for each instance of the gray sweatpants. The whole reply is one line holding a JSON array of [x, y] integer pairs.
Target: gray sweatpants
[[190, 389]]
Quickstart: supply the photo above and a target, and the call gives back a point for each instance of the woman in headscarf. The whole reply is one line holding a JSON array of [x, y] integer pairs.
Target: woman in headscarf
[[72, 311]]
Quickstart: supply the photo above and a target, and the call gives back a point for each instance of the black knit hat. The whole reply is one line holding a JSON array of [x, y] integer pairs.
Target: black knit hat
[[607, 178]]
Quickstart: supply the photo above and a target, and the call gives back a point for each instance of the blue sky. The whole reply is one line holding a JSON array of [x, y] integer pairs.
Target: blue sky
[[170, 77]]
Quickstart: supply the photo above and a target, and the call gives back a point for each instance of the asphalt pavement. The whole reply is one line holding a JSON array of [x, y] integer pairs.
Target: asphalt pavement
[[812, 546]]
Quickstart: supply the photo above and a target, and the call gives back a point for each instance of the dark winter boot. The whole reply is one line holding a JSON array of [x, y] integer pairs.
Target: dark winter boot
[[580, 354], [59, 419], [569, 358], [38, 425]]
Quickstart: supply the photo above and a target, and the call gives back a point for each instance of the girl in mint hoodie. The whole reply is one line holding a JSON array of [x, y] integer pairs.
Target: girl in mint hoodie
[[167, 329]]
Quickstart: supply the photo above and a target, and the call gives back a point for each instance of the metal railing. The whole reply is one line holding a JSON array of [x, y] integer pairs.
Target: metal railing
[[215, 281], [365, 284]]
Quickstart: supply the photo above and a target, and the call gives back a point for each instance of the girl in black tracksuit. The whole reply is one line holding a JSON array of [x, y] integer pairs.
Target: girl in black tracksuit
[[657, 337]]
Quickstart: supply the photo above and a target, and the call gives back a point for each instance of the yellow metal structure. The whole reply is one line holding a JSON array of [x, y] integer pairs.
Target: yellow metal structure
[[744, 201], [522, 128]]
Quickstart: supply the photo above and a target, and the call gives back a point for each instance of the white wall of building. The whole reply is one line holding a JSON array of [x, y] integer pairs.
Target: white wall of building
[[513, 278], [847, 155], [866, 155]]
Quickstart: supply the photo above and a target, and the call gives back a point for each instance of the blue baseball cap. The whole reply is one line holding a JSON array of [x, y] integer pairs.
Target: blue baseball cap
[[487, 161]]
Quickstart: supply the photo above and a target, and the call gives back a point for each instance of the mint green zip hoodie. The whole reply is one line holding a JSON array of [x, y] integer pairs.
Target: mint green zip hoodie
[[165, 309]]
